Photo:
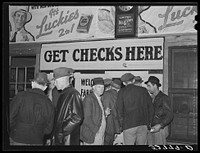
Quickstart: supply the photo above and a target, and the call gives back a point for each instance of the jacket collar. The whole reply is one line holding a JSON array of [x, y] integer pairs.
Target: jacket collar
[[37, 90]]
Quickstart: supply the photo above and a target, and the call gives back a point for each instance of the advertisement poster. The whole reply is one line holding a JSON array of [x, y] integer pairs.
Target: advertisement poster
[[63, 23], [60, 23]]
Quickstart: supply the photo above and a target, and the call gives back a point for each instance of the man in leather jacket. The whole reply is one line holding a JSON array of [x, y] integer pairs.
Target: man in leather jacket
[[69, 110], [163, 115]]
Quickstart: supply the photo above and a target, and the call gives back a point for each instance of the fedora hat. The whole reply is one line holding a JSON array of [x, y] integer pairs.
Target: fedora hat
[[116, 83], [97, 81], [153, 79], [28, 14], [127, 77], [61, 72], [40, 77]]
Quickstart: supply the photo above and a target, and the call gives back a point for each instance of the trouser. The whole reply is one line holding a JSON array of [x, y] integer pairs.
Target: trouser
[[13, 143], [136, 135], [158, 138]]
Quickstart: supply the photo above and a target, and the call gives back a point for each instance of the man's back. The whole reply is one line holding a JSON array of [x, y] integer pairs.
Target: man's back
[[133, 106], [31, 117]]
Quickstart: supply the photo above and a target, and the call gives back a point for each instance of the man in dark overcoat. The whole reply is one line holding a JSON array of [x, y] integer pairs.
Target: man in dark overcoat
[[31, 114], [69, 109], [135, 111]]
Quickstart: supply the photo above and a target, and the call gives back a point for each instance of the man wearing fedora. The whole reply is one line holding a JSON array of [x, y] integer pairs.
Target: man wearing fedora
[[163, 115], [20, 18], [94, 123], [31, 114], [135, 111], [69, 109], [112, 122]]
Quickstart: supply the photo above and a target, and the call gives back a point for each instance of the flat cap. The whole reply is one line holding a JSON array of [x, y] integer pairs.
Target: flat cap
[[116, 83], [40, 77], [127, 77], [138, 79], [107, 81], [61, 72]]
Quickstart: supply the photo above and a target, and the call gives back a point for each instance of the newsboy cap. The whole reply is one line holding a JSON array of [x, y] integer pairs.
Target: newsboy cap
[[127, 77], [138, 79], [116, 83], [107, 81], [40, 77], [98, 80], [61, 72], [153, 79]]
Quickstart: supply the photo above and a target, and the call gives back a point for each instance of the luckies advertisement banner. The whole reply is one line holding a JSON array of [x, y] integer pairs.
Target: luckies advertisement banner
[[137, 54], [62, 23]]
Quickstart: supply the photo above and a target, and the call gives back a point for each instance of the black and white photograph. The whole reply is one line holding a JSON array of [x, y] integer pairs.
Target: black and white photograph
[[108, 76]]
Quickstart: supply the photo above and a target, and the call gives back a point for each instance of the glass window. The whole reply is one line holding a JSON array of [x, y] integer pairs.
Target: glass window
[[183, 92], [184, 68]]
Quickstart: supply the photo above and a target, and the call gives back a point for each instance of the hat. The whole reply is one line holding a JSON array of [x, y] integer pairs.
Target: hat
[[28, 14], [116, 83], [40, 77], [107, 81], [138, 79], [61, 72], [154, 79], [98, 80], [127, 77]]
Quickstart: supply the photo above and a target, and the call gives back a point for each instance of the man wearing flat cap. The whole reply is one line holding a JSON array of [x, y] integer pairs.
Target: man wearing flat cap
[[163, 115], [69, 110], [135, 111], [31, 114], [138, 81], [112, 122], [20, 18], [94, 123]]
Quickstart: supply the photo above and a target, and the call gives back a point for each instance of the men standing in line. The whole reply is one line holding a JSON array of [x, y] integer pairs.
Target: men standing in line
[[31, 114], [163, 115], [94, 123], [135, 111], [112, 122], [69, 110]]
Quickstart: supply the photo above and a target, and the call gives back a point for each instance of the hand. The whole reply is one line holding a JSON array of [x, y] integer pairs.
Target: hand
[[155, 128], [107, 111]]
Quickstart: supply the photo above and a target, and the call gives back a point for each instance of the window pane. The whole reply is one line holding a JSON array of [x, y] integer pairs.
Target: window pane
[[30, 73], [184, 124], [184, 71], [20, 87], [21, 74], [12, 74]]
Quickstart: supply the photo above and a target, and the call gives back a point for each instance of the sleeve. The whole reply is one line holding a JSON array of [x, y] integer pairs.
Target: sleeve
[[120, 107], [75, 116], [167, 111], [14, 108], [50, 122], [87, 102]]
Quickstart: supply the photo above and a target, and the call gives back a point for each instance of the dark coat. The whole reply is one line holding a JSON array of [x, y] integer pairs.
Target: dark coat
[[112, 121], [31, 117], [134, 106], [92, 118], [163, 113], [69, 116]]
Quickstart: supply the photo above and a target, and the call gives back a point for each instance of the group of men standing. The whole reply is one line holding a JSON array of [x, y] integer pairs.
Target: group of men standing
[[64, 118]]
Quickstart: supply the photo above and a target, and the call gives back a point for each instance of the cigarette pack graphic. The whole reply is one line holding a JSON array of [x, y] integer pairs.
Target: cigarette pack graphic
[[84, 23]]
